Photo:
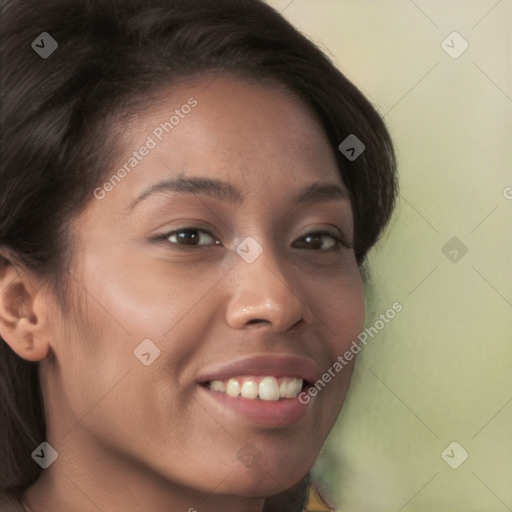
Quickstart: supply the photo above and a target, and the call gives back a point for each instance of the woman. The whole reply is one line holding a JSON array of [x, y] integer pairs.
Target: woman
[[189, 191]]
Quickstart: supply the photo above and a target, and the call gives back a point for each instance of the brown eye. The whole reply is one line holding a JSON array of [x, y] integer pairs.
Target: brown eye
[[191, 237], [322, 240]]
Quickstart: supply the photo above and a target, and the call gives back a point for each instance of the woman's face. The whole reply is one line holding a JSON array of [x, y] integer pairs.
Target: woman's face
[[242, 281]]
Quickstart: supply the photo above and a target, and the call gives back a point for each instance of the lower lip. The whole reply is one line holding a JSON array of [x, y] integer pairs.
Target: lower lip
[[278, 413]]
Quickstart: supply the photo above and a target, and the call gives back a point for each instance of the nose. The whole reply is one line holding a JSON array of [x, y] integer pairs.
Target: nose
[[263, 296]]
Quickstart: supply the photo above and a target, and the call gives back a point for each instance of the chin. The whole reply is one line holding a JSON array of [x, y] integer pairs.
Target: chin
[[265, 479], [266, 486]]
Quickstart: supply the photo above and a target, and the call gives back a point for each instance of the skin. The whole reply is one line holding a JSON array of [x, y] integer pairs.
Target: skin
[[135, 437]]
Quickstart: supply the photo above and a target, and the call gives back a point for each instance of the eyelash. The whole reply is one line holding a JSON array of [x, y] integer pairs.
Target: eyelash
[[340, 241]]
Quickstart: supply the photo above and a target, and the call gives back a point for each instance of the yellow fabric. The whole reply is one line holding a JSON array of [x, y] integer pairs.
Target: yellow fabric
[[315, 501]]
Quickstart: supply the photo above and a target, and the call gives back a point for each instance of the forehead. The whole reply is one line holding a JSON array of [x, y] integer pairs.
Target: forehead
[[260, 138]]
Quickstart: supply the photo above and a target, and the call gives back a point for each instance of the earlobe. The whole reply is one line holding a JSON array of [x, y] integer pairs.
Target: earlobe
[[22, 314]]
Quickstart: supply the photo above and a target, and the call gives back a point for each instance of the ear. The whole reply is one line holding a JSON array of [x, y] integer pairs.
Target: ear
[[23, 312]]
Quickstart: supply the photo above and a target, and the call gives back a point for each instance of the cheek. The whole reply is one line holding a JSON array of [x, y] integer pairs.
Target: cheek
[[340, 307], [144, 296], [342, 315], [352, 307], [112, 321], [90, 360]]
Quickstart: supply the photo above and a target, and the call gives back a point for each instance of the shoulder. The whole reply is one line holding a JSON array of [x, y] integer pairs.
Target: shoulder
[[10, 503], [315, 502]]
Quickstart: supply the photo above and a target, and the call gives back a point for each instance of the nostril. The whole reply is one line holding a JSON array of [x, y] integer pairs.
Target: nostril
[[255, 320]]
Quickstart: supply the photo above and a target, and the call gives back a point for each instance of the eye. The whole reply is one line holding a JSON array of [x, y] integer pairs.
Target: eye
[[192, 237], [189, 237], [323, 241]]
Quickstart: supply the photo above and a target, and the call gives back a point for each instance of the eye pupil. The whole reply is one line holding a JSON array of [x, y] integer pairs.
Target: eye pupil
[[314, 238], [188, 236]]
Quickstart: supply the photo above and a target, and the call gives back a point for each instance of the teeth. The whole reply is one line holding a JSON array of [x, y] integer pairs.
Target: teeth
[[250, 389], [290, 388], [233, 388], [218, 385], [264, 388], [269, 389]]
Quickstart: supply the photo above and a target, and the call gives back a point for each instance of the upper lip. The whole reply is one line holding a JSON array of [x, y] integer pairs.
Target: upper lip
[[276, 365]]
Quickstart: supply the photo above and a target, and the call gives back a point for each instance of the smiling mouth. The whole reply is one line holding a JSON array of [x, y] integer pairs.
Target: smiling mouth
[[266, 388]]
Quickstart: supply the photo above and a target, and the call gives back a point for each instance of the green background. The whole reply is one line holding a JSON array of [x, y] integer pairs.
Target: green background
[[441, 371]]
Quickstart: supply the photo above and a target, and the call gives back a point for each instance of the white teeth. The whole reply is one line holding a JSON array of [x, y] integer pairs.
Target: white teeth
[[218, 385], [290, 388], [285, 388], [250, 389], [269, 389], [233, 388], [298, 387], [265, 388]]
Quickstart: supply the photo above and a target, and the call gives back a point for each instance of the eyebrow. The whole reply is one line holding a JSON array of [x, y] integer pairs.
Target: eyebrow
[[226, 192]]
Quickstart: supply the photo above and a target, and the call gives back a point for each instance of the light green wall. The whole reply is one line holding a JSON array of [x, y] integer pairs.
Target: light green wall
[[441, 371]]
